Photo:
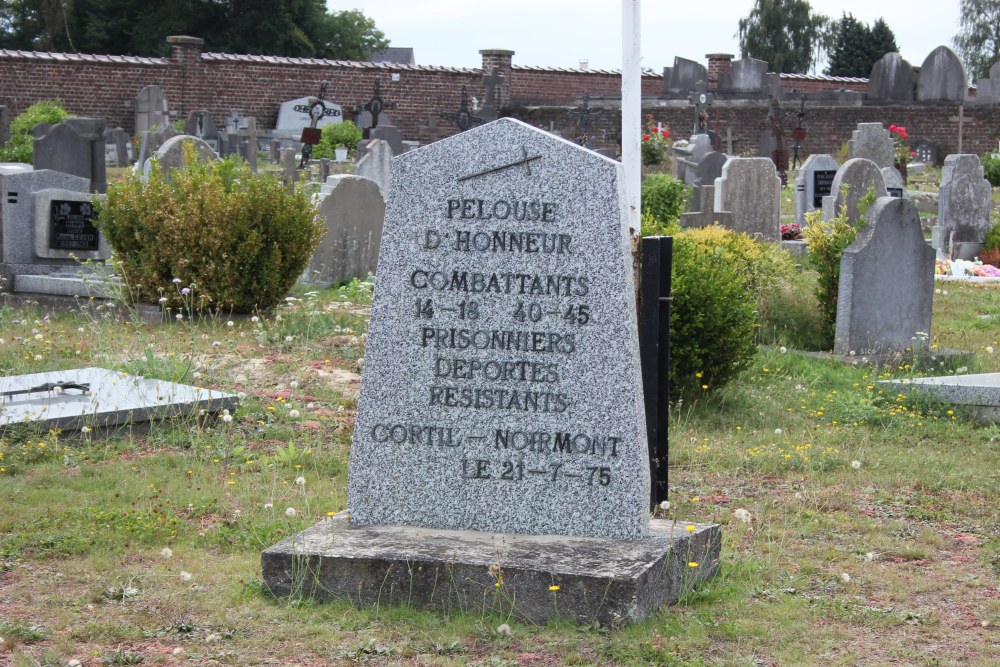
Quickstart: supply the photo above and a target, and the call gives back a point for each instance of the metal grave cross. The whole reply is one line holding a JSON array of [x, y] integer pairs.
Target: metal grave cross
[[799, 133], [316, 110], [463, 118], [375, 106], [701, 101], [583, 115]]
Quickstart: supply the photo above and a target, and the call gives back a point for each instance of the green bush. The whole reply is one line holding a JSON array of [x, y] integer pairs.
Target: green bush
[[338, 135], [991, 169], [827, 240], [20, 145], [992, 240], [664, 197], [719, 279], [238, 240]]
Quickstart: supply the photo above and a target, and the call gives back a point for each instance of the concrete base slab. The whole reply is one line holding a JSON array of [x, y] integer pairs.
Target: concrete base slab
[[63, 285], [534, 578], [112, 400], [980, 392]]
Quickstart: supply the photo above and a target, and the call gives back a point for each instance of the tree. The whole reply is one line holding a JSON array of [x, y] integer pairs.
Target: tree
[[785, 33], [978, 39], [855, 48], [299, 28], [33, 25]]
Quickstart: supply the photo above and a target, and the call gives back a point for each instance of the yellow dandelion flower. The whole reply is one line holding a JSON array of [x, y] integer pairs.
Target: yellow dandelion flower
[[552, 588], [692, 564], [690, 528]]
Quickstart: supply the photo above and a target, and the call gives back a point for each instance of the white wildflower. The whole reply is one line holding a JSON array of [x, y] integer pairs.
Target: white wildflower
[[845, 578], [294, 414], [665, 505], [777, 431], [288, 339], [185, 576], [856, 464], [783, 349], [294, 384], [870, 556], [290, 511], [166, 552], [742, 515], [300, 481], [230, 323], [268, 506], [503, 629], [989, 348], [255, 319]]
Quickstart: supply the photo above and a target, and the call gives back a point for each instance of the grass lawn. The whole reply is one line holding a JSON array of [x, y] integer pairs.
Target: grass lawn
[[872, 534]]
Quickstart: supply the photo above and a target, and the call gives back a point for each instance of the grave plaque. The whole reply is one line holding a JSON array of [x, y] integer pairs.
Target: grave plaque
[[822, 184], [72, 226], [895, 192], [502, 389]]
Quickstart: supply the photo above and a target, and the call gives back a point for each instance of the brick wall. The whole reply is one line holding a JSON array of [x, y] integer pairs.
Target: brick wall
[[106, 86]]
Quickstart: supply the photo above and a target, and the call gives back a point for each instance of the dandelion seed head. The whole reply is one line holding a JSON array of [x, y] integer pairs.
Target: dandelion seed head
[[185, 576], [300, 481], [845, 578], [294, 414], [742, 515], [166, 552], [503, 629], [856, 464], [290, 511], [268, 506]]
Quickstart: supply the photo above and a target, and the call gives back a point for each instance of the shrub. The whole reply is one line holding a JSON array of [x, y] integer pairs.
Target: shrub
[[20, 145], [664, 197], [991, 169], [338, 135], [992, 240], [827, 240], [239, 238], [719, 279]]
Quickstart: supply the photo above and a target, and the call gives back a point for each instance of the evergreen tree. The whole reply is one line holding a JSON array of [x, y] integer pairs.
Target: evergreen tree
[[855, 48], [785, 33]]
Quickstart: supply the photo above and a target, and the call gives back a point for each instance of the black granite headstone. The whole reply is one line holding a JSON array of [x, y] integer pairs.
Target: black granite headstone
[[73, 226]]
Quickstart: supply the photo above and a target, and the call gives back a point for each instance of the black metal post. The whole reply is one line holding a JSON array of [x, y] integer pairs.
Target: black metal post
[[654, 347]]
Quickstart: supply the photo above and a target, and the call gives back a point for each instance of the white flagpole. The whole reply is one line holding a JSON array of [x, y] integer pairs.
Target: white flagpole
[[631, 111]]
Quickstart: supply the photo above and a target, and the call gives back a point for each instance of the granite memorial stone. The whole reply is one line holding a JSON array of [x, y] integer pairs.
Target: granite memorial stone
[[891, 80], [942, 77], [886, 289], [353, 211], [500, 441], [852, 183], [74, 146], [747, 75], [171, 155], [872, 142], [964, 199], [376, 164], [150, 110], [750, 189], [682, 78]]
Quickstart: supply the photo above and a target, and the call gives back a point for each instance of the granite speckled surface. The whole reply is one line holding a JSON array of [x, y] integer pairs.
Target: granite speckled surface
[[501, 390]]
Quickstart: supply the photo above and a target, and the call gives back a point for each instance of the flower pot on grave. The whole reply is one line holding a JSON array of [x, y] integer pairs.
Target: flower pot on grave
[[340, 154]]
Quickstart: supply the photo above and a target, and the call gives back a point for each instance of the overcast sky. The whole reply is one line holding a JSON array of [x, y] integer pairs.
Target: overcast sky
[[560, 33]]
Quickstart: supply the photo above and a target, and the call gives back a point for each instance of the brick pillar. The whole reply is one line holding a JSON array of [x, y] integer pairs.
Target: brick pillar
[[718, 63], [185, 52], [501, 59]]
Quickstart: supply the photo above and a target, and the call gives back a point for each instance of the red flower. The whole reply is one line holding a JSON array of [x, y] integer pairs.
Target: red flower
[[645, 137], [666, 133], [913, 153], [892, 128]]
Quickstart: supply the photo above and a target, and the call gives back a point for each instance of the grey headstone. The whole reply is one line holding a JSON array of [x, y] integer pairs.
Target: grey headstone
[[872, 142], [74, 146], [683, 76], [533, 426], [709, 169], [353, 212], [893, 180], [364, 119], [170, 155], [814, 181], [750, 189], [151, 142], [376, 165], [964, 199], [390, 134], [19, 217], [747, 75], [150, 110], [201, 124], [115, 399], [891, 80], [851, 184], [289, 165], [886, 286], [942, 77]]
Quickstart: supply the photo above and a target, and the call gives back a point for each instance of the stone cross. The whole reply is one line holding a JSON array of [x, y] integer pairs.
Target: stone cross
[[583, 116], [310, 135], [494, 93], [701, 102], [463, 118], [375, 106]]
